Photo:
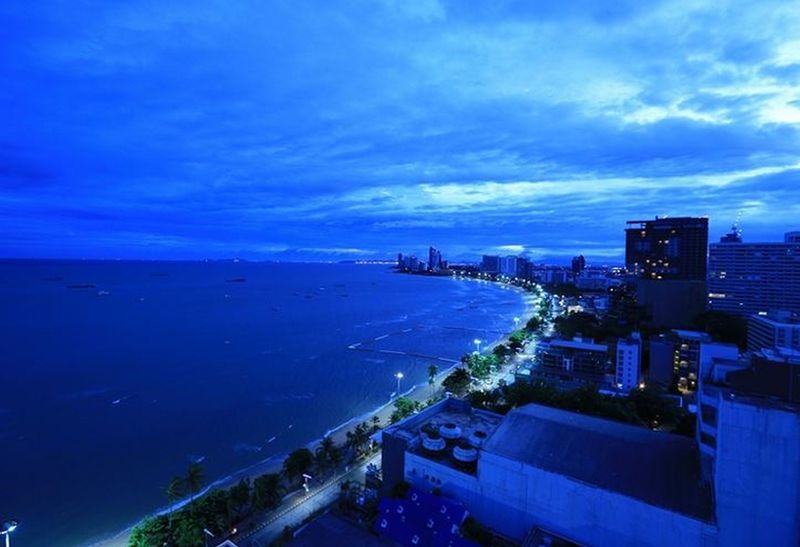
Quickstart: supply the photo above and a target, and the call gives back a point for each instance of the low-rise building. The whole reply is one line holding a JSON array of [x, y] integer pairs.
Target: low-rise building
[[572, 361], [683, 352], [592, 481]]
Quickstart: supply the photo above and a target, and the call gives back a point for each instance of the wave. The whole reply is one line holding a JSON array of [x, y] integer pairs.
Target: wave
[[287, 397]]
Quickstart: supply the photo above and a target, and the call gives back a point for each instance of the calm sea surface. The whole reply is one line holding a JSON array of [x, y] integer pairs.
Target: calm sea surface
[[108, 391]]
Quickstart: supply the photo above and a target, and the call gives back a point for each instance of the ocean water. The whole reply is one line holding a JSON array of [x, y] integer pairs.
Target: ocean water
[[108, 391]]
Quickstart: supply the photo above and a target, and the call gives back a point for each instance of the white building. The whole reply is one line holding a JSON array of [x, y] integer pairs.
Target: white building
[[598, 482], [628, 360], [773, 330], [593, 481]]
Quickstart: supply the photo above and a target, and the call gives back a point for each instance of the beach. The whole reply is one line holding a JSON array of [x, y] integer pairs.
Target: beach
[[419, 392]]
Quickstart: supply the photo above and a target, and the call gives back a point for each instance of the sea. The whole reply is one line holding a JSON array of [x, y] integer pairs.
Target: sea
[[115, 375]]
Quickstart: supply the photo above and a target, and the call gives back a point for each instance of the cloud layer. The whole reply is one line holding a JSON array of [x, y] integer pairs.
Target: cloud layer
[[302, 129]]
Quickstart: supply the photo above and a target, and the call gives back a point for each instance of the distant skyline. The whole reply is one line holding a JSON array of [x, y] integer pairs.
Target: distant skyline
[[302, 130]]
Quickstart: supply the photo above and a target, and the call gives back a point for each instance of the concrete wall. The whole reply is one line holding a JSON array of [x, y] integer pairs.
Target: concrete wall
[[511, 498], [757, 470]]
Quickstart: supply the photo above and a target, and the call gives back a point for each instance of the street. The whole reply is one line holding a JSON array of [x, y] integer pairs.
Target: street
[[298, 507]]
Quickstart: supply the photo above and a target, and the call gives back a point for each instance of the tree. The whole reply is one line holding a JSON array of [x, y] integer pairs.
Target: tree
[[327, 454], [376, 423], [501, 351], [359, 438], [457, 381], [174, 491], [239, 497], [194, 479], [533, 324], [267, 490], [297, 463], [404, 407], [432, 371]]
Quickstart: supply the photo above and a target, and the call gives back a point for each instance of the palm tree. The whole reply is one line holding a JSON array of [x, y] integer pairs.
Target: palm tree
[[174, 492], [194, 479], [267, 490], [432, 371], [376, 423]]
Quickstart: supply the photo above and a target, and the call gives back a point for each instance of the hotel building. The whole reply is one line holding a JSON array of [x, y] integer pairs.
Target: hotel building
[[750, 278]]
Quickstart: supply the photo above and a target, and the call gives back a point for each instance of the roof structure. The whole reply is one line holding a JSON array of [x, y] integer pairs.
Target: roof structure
[[660, 469]]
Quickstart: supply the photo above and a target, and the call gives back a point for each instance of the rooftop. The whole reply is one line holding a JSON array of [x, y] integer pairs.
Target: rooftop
[[461, 422], [578, 343], [660, 469]]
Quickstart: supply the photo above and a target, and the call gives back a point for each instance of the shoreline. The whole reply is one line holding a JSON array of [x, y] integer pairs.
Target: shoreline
[[274, 463]]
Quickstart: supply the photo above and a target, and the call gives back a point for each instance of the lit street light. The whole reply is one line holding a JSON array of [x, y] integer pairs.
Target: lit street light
[[477, 343], [208, 533], [8, 527], [399, 377]]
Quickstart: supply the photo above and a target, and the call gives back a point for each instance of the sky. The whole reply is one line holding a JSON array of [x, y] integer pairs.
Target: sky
[[327, 130]]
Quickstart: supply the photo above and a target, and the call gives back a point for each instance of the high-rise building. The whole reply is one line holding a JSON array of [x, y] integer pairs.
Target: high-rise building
[[490, 264], [578, 264], [434, 259], [748, 278], [508, 266], [667, 258], [628, 362], [524, 268], [667, 248], [778, 329]]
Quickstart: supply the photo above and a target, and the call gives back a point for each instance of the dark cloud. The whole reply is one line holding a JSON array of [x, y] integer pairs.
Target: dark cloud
[[212, 128]]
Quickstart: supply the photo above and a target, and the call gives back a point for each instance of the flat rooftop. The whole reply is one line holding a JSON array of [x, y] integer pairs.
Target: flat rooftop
[[453, 412], [657, 468]]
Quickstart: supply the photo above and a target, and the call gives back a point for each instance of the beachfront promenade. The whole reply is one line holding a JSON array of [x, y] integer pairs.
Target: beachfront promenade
[[299, 506]]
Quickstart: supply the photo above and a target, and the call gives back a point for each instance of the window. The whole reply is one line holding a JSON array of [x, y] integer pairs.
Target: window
[[709, 414]]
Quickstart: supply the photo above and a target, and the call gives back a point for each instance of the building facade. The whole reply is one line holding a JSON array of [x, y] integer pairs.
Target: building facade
[[683, 353], [572, 361], [628, 362], [778, 329], [490, 264], [667, 248], [748, 433], [571, 474], [751, 278]]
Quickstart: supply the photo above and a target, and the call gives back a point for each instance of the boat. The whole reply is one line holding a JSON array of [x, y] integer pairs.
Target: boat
[[81, 286], [236, 280]]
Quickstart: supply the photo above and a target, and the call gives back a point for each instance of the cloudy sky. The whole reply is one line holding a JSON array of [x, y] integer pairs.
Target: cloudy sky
[[334, 129]]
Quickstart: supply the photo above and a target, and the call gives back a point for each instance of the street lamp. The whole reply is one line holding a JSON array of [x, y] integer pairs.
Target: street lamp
[[8, 527], [477, 343], [208, 533], [516, 322], [399, 377]]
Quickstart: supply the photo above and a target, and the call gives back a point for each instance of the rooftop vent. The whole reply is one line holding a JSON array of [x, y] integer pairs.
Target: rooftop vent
[[450, 431]]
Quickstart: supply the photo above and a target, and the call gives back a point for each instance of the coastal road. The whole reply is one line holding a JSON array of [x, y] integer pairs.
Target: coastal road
[[298, 508]]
